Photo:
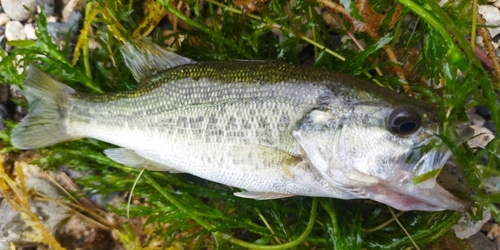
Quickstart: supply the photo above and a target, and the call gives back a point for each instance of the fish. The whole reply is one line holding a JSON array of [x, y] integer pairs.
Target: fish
[[271, 129]]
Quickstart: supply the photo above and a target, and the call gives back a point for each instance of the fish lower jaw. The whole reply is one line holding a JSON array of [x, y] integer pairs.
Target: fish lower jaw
[[435, 199]]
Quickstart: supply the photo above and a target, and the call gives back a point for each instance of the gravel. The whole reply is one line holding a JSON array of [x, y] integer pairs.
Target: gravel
[[14, 30], [4, 19]]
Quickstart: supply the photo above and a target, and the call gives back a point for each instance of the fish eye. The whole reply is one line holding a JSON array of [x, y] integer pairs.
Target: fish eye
[[404, 120]]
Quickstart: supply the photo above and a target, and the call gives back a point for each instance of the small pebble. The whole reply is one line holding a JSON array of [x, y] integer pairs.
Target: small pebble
[[491, 126], [29, 29], [59, 31], [14, 31], [493, 231], [484, 111], [3, 42], [16, 92], [75, 18], [476, 119], [491, 186], [19, 113], [19, 64], [69, 8], [47, 5], [492, 16], [479, 241], [4, 19], [16, 11], [4, 114], [482, 136], [93, 44], [467, 226], [4, 93], [51, 19]]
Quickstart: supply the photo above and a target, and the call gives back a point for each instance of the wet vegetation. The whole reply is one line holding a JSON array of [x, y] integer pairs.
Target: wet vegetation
[[414, 47]]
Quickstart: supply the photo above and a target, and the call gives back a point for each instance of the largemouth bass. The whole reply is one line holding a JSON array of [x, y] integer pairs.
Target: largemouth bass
[[270, 128]]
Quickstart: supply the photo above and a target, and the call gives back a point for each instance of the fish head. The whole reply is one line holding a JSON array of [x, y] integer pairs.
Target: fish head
[[390, 153]]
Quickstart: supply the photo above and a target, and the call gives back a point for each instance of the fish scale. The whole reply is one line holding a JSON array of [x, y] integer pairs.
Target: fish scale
[[270, 128]]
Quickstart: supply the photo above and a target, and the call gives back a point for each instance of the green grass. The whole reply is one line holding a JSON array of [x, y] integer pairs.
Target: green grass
[[193, 213]]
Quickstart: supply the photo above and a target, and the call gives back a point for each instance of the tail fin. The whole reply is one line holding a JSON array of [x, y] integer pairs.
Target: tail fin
[[46, 122]]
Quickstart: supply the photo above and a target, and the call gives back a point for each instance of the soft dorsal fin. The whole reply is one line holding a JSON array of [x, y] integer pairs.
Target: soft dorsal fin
[[146, 59]]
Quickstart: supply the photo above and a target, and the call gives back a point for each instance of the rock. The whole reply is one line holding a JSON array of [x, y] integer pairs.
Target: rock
[[492, 16], [476, 119], [480, 42], [59, 31], [452, 178], [16, 11], [13, 226], [93, 44], [14, 30], [74, 18], [47, 5], [482, 136], [467, 226], [16, 92], [52, 19], [492, 186], [19, 113], [29, 29], [56, 213], [4, 114], [70, 7], [3, 42], [4, 93], [483, 111], [4, 19], [479, 241], [491, 126]]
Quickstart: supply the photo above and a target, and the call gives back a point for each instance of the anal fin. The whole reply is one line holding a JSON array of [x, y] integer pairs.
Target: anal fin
[[129, 157], [262, 195]]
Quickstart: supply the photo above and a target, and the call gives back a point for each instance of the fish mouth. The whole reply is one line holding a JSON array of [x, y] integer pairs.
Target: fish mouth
[[416, 187], [406, 194]]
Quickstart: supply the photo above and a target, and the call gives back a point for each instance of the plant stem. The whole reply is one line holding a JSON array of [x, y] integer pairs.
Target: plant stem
[[300, 36], [290, 244], [176, 203], [203, 28], [473, 28]]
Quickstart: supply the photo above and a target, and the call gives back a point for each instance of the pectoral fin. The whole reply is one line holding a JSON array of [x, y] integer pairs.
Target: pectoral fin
[[262, 195], [129, 157]]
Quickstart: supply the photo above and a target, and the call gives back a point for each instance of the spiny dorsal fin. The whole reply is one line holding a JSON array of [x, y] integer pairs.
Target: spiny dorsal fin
[[146, 59]]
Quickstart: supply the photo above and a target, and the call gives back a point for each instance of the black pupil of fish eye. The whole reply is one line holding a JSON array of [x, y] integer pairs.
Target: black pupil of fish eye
[[404, 121]]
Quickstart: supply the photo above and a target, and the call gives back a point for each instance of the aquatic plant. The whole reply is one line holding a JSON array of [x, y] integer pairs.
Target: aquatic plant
[[404, 46]]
